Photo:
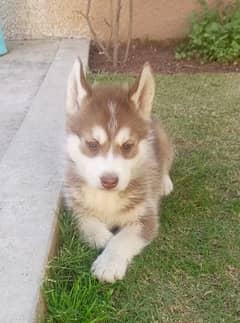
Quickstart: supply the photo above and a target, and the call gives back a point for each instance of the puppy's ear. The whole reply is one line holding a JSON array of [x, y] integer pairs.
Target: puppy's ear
[[142, 92], [78, 87]]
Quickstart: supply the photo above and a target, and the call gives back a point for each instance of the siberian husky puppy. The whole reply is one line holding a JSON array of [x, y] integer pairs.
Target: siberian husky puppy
[[118, 163]]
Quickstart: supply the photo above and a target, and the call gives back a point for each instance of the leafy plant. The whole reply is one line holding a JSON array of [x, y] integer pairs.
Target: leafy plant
[[214, 34]]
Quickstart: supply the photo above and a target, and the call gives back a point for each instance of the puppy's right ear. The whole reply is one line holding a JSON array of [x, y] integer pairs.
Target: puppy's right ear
[[78, 88]]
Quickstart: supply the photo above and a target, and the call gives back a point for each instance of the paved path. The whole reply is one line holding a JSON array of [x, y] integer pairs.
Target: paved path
[[21, 73], [31, 167]]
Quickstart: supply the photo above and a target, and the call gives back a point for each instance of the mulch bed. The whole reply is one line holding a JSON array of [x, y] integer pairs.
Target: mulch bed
[[161, 58]]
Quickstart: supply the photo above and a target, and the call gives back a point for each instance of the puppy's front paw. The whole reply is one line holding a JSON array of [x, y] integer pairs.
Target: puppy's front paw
[[100, 239], [109, 268], [167, 185]]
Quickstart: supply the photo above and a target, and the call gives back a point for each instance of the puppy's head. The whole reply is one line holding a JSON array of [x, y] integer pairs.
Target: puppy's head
[[108, 128]]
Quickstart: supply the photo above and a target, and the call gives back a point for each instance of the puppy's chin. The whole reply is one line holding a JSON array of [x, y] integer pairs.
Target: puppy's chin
[[109, 189]]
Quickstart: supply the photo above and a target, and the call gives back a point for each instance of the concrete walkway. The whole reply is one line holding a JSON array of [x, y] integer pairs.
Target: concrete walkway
[[32, 100], [21, 73]]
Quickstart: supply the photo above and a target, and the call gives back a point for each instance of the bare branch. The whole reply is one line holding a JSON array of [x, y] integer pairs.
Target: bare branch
[[109, 25], [115, 29], [130, 25], [109, 43], [94, 35]]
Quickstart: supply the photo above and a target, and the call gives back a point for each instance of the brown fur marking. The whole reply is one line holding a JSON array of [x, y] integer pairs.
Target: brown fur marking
[[150, 226], [135, 194], [162, 146]]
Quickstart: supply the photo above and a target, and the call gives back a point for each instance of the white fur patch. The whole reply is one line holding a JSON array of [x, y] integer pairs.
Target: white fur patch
[[95, 232], [122, 136], [73, 146], [112, 264], [99, 134], [167, 185]]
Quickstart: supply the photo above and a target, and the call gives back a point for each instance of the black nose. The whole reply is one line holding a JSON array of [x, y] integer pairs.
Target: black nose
[[109, 181]]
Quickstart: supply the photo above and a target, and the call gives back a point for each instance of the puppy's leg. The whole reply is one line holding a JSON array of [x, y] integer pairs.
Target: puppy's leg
[[94, 231], [165, 154], [112, 263], [167, 185]]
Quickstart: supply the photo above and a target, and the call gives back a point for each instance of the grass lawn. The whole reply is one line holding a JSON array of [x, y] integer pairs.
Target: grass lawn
[[191, 272]]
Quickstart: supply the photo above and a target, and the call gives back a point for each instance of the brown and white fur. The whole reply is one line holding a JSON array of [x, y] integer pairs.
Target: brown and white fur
[[118, 165]]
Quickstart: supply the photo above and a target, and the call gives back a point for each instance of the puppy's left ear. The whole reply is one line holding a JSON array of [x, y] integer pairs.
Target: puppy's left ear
[[78, 88], [142, 92]]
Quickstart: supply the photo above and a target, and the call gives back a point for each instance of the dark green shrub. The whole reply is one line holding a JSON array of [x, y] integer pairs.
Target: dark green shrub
[[214, 34]]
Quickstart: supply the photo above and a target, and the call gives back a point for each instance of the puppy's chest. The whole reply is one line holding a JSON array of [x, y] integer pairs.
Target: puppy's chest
[[107, 206]]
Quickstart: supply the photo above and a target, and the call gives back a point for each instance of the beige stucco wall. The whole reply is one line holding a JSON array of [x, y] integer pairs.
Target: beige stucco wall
[[153, 19]]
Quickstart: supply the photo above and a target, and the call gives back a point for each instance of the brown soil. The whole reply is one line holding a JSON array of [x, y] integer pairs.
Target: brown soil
[[162, 60]]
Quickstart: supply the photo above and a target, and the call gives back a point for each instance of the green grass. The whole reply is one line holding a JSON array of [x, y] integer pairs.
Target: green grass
[[191, 272]]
